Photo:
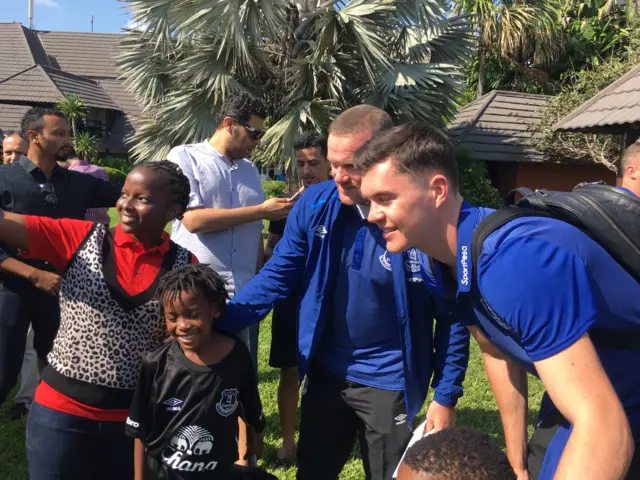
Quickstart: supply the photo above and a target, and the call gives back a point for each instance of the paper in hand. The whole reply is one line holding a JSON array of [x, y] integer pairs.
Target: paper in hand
[[418, 433]]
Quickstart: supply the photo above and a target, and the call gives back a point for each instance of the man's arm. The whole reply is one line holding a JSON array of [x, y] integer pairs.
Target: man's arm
[[103, 194], [509, 384], [277, 279], [48, 281], [601, 445], [215, 219], [199, 219], [451, 359]]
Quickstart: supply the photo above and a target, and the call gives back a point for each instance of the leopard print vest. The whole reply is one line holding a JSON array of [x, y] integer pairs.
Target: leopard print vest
[[104, 333]]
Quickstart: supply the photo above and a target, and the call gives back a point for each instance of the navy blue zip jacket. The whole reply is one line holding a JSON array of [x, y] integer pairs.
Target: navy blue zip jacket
[[307, 257]]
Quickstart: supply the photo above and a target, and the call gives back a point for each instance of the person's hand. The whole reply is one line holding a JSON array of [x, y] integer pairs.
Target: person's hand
[[47, 281], [522, 475], [255, 443], [276, 208], [439, 417]]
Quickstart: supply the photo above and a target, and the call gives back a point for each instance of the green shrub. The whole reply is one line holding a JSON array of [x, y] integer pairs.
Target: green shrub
[[274, 188], [115, 175], [475, 185]]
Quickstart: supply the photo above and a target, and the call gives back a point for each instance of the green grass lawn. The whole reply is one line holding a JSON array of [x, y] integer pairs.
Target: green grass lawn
[[477, 409]]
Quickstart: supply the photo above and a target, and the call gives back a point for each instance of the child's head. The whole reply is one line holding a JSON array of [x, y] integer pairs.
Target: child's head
[[190, 299], [153, 194], [456, 454]]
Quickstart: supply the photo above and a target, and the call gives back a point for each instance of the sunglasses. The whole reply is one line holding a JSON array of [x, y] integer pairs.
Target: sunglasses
[[51, 199], [254, 133]]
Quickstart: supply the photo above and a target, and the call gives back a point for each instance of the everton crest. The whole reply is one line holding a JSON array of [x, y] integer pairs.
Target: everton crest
[[228, 402]]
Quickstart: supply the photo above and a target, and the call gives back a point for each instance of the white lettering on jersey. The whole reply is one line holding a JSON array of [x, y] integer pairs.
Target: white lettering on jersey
[[187, 442], [131, 423]]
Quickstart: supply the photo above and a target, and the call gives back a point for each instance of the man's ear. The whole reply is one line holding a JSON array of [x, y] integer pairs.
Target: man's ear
[[32, 137], [440, 188], [228, 123]]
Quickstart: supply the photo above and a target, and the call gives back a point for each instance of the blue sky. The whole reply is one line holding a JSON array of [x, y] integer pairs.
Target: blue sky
[[67, 15]]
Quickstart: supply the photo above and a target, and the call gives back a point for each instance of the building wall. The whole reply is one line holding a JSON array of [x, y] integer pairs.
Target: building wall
[[506, 176]]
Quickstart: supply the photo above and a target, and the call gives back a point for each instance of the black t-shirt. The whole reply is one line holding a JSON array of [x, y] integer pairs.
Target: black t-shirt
[[277, 226], [187, 414]]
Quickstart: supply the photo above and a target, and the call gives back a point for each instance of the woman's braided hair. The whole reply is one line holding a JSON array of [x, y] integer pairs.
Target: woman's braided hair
[[176, 180], [198, 279]]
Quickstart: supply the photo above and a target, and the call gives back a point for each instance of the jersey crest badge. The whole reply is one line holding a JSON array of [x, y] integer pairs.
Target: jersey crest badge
[[228, 402], [385, 261]]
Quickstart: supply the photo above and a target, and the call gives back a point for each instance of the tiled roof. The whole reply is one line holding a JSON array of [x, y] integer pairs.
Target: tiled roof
[[121, 96], [497, 126], [11, 116], [89, 90], [85, 54], [31, 86], [40, 84], [15, 55], [611, 109]]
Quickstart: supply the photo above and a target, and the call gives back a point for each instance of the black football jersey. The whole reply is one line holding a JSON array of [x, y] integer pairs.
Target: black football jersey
[[187, 414]]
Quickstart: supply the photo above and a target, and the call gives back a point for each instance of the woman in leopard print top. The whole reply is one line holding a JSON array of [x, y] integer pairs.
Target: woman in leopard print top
[[109, 321]]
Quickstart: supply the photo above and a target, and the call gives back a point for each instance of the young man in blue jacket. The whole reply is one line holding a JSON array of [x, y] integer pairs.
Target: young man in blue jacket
[[366, 337], [547, 299]]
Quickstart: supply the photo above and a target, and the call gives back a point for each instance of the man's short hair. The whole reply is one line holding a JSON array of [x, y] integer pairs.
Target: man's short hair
[[34, 119], [632, 152], [413, 147], [11, 133], [311, 139], [361, 119], [240, 106], [457, 454]]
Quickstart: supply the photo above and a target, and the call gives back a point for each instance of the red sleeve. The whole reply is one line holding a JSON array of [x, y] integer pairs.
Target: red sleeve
[[194, 259], [55, 241]]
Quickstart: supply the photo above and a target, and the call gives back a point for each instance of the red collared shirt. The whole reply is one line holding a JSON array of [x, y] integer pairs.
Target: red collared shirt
[[56, 241]]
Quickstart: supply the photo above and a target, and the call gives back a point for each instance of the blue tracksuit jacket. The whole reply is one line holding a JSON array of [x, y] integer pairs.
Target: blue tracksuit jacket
[[307, 257]]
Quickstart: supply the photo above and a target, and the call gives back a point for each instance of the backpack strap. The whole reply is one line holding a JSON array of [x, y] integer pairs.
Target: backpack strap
[[493, 222]]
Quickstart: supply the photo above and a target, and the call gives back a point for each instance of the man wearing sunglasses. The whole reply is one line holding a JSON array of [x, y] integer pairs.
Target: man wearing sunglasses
[[36, 185], [223, 224]]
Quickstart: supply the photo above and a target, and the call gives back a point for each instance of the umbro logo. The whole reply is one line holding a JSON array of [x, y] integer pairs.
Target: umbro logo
[[173, 405], [321, 231], [400, 419]]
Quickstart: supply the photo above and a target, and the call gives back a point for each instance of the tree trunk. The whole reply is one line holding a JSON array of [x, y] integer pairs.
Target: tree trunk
[[481, 62]]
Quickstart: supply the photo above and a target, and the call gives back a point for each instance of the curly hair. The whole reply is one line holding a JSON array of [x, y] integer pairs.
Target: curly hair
[[459, 454], [199, 279], [240, 106], [177, 182]]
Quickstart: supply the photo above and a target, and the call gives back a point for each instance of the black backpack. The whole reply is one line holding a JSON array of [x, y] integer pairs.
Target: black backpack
[[608, 215]]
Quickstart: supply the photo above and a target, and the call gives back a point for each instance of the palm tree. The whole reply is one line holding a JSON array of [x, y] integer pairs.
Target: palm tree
[[74, 108], [307, 58], [529, 30], [86, 146]]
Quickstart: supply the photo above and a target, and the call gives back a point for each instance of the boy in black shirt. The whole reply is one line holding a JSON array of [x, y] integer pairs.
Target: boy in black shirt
[[191, 391]]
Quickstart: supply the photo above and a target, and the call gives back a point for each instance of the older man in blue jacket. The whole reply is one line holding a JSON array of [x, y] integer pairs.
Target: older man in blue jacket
[[366, 335]]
